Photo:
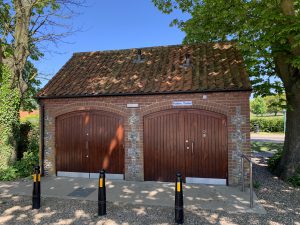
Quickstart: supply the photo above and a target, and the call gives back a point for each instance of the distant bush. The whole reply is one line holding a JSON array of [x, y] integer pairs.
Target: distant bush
[[258, 106], [29, 146], [267, 124]]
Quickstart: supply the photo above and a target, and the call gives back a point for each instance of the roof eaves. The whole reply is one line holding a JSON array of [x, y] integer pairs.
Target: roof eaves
[[144, 93]]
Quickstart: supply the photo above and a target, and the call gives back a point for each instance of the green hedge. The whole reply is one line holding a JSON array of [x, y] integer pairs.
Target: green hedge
[[267, 124], [28, 148]]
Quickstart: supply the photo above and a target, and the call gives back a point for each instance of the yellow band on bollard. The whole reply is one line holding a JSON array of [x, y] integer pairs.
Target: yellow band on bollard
[[101, 182], [36, 178], [178, 187]]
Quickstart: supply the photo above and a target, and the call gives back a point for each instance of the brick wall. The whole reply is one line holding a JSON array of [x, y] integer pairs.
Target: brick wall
[[235, 105]]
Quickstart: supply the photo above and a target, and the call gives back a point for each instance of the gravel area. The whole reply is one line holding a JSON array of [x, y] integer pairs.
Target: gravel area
[[281, 201]]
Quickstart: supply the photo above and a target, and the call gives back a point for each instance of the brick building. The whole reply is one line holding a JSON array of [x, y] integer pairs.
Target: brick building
[[144, 114]]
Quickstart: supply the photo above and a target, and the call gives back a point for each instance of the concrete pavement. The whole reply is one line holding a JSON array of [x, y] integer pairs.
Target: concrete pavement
[[265, 137], [229, 199]]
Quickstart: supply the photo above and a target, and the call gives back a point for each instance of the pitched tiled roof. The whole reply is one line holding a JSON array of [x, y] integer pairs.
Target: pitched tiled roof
[[214, 67]]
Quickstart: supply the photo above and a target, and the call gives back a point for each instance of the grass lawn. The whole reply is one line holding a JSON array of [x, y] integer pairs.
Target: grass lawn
[[257, 146], [34, 119], [266, 116]]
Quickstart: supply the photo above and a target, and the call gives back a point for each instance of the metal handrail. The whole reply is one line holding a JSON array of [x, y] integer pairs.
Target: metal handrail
[[243, 177]]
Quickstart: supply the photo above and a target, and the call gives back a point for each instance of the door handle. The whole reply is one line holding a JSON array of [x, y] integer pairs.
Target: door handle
[[192, 147], [86, 156]]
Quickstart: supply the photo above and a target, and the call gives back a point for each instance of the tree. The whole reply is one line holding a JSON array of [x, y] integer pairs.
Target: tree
[[267, 33], [24, 24], [275, 103], [258, 106]]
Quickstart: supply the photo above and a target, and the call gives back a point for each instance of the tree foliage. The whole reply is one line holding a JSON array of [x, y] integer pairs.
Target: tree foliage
[[275, 103], [271, 104], [268, 34], [258, 106], [24, 25], [263, 29], [9, 122]]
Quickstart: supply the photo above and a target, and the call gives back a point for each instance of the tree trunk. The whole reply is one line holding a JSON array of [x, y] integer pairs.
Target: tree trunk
[[290, 161], [290, 77]]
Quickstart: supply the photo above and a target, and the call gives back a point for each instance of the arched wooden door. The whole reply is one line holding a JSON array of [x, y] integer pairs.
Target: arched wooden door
[[87, 141], [191, 141]]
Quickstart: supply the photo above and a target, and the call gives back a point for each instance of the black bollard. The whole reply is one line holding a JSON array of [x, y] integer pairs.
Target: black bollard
[[36, 193], [178, 200], [101, 194]]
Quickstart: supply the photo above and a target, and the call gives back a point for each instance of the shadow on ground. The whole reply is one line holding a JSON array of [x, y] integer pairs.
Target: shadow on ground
[[281, 201], [258, 146], [210, 197]]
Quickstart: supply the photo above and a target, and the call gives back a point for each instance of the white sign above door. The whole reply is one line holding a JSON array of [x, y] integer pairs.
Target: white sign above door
[[182, 103]]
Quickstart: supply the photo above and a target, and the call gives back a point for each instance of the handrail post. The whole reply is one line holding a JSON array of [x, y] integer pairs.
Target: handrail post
[[251, 177], [251, 186], [243, 175]]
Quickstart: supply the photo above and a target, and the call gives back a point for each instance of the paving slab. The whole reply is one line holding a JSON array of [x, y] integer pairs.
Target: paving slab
[[225, 198]]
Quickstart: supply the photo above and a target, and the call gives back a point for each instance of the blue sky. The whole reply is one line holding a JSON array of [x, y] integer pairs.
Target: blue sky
[[113, 24]]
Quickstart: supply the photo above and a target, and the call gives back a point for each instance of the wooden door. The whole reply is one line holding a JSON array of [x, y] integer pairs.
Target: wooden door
[[71, 144], [87, 141], [106, 148], [191, 141], [163, 155], [205, 144]]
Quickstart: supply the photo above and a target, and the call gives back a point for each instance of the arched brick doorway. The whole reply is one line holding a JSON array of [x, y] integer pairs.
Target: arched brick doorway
[[191, 141], [90, 140]]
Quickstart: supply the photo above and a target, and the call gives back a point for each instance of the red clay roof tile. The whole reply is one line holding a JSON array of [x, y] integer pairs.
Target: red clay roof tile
[[214, 67]]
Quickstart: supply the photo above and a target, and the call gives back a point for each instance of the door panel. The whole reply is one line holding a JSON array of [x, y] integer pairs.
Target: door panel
[[106, 134], [88, 141], [206, 151], [71, 143], [191, 141], [162, 151]]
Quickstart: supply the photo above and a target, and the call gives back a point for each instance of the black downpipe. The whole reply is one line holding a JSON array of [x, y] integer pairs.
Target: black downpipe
[[42, 125]]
